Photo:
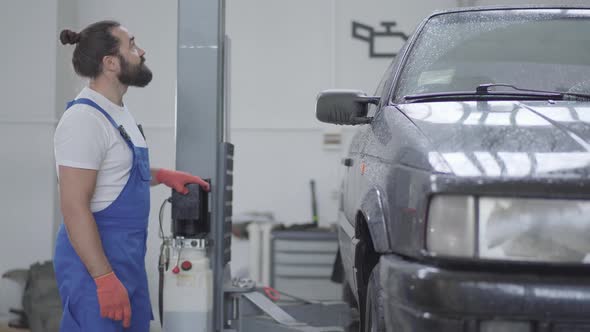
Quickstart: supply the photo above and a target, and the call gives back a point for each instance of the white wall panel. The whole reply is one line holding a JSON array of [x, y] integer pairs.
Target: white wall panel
[[281, 59], [28, 59], [273, 170], [27, 174]]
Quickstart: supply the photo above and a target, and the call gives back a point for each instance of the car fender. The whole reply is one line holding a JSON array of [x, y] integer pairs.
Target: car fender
[[374, 208]]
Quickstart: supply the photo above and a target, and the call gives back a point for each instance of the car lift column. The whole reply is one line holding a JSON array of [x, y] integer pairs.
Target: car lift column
[[200, 123], [202, 148]]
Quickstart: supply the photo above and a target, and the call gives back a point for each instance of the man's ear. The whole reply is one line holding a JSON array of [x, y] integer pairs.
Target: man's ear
[[110, 63]]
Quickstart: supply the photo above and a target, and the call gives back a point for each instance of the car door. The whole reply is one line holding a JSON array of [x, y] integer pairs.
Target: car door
[[347, 209], [352, 187]]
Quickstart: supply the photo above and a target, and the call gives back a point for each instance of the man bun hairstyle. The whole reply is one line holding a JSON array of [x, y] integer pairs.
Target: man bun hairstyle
[[92, 44], [69, 37]]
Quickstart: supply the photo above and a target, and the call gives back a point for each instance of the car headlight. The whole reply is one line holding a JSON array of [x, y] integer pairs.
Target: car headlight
[[517, 229], [451, 226]]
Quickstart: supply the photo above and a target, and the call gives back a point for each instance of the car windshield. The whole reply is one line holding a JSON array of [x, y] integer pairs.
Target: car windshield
[[541, 49]]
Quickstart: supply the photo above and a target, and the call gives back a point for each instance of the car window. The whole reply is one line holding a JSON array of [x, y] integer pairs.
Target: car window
[[380, 89], [534, 49]]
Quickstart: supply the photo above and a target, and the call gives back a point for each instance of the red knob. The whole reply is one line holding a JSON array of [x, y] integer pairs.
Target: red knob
[[186, 265], [175, 270]]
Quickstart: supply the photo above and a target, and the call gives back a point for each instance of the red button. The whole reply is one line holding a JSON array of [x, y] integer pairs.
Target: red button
[[175, 270], [186, 265]]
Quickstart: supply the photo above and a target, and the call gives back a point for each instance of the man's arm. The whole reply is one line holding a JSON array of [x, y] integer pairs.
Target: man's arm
[[154, 172], [176, 179], [76, 189]]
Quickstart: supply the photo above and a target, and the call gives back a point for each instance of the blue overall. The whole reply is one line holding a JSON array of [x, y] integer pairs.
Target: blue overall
[[123, 231]]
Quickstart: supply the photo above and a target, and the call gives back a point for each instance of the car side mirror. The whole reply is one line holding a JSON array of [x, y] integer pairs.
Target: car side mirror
[[344, 107]]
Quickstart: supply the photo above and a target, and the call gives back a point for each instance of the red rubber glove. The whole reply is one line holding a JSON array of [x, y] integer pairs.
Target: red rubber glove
[[177, 180], [113, 299]]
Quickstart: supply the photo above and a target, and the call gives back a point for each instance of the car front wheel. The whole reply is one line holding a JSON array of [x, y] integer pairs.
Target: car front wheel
[[374, 313]]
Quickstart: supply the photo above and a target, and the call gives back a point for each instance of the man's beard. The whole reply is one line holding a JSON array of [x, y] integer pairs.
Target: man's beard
[[134, 75]]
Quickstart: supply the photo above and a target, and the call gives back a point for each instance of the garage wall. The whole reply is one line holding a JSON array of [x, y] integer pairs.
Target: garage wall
[[281, 58], [27, 174]]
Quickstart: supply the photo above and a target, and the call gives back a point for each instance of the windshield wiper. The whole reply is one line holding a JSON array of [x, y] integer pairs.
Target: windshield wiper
[[483, 90]]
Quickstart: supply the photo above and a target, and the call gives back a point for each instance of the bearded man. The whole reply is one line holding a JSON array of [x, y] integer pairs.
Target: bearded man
[[104, 182]]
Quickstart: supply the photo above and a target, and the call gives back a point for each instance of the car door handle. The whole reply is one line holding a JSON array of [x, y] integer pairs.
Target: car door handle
[[347, 162]]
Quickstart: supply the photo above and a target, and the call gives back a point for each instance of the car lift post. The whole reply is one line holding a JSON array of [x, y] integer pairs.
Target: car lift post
[[203, 148]]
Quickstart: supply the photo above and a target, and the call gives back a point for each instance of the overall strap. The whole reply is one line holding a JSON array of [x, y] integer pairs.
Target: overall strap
[[120, 128]]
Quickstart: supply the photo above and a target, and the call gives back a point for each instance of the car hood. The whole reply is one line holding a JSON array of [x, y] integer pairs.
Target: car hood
[[505, 139]]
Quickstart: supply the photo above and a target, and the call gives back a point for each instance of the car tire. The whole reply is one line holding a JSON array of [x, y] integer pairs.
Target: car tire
[[374, 309]]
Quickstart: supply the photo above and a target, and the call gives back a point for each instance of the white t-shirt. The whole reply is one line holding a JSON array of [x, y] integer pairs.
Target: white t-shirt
[[85, 138]]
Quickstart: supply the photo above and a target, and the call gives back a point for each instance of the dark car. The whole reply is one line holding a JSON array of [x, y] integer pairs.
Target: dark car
[[466, 196]]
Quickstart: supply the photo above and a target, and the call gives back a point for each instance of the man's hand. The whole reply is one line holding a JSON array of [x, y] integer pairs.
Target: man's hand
[[113, 299], [178, 180]]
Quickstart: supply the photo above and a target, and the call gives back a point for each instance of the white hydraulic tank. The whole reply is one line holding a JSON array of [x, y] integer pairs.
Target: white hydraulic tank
[[188, 291]]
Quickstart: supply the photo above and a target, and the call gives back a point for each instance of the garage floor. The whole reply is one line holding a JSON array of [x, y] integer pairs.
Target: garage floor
[[4, 327]]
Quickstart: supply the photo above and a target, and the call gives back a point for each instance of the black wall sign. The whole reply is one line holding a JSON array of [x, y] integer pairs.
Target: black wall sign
[[369, 34]]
